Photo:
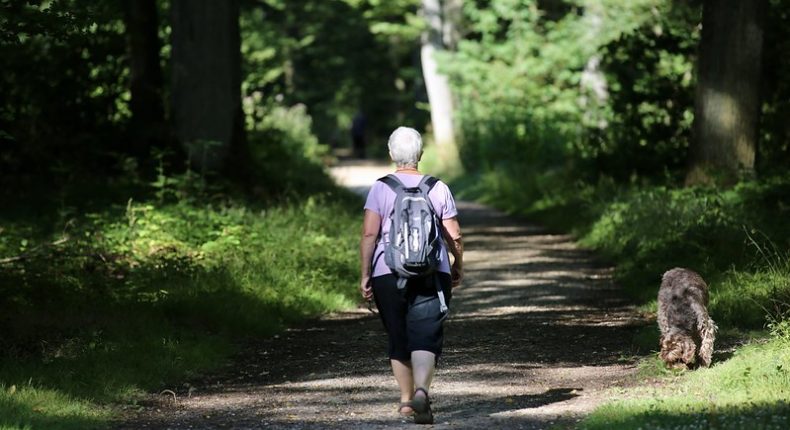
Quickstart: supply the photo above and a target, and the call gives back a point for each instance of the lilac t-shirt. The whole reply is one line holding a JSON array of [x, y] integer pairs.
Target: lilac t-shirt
[[381, 200]]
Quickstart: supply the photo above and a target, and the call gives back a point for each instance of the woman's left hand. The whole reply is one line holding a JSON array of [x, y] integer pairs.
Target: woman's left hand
[[456, 274]]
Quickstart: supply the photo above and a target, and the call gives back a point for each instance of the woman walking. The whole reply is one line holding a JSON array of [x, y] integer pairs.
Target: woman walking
[[413, 316]]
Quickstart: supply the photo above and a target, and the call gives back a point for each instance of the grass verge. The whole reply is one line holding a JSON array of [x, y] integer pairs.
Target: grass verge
[[40, 408], [133, 298], [750, 390]]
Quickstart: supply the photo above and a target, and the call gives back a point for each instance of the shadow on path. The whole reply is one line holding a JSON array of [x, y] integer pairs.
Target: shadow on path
[[538, 332]]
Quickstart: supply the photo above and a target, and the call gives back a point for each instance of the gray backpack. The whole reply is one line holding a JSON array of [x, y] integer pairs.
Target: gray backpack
[[413, 247]]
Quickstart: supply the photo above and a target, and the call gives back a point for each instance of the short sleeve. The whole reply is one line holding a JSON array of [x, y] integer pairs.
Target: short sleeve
[[375, 200], [441, 194]]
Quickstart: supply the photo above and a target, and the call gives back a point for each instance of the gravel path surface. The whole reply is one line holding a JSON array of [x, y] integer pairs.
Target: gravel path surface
[[538, 337]]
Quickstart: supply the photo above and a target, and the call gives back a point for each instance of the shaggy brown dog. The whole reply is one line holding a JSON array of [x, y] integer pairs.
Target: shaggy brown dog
[[687, 332]]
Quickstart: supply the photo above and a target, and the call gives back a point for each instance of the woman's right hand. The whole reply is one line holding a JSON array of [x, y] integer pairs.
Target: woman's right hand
[[365, 288]]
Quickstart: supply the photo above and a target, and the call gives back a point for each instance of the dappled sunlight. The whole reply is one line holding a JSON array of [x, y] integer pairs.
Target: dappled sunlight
[[505, 311], [499, 285], [527, 258], [511, 230], [181, 235], [725, 110], [497, 386], [537, 332]]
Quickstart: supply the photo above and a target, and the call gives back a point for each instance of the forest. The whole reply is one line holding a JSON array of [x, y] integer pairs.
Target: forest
[[166, 196]]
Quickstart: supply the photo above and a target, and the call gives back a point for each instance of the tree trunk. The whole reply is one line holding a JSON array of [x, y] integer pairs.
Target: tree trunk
[[727, 104], [148, 115], [436, 85], [451, 23], [206, 74]]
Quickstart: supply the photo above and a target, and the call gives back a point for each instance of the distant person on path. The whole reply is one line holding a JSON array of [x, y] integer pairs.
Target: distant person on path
[[358, 126], [413, 317]]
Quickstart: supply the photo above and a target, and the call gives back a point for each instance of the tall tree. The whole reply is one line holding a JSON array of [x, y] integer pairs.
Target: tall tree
[[727, 103], [439, 95], [206, 78], [148, 114]]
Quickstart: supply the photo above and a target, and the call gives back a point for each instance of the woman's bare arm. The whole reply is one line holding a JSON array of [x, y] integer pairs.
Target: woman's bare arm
[[455, 244], [371, 223]]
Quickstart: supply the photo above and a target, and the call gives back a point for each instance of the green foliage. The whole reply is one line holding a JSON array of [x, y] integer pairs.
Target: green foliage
[[335, 58], [141, 294], [525, 75], [751, 298], [780, 328], [503, 109], [65, 80], [578, 114], [736, 239], [650, 230], [292, 129], [100, 276], [594, 87], [63, 83], [643, 128], [752, 386], [26, 407], [654, 229], [750, 390], [774, 150]]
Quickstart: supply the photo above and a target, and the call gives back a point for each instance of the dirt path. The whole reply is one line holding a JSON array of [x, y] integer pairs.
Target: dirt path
[[537, 335]]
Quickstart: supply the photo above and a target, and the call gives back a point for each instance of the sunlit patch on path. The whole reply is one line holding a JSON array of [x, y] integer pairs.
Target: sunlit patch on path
[[358, 175], [538, 335]]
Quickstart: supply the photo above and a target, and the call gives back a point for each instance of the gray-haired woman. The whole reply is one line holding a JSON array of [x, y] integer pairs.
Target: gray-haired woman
[[412, 317]]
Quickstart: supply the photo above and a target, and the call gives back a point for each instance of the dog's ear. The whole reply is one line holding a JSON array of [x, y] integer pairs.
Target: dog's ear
[[689, 351], [670, 351], [668, 344]]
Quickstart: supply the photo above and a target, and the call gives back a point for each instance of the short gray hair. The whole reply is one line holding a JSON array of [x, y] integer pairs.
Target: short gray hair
[[405, 147]]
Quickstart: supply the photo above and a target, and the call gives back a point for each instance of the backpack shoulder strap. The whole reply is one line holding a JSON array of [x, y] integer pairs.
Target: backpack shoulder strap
[[427, 183], [393, 182]]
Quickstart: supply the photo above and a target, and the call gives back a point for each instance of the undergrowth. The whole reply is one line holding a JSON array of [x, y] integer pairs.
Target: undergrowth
[[143, 295], [103, 301], [736, 239], [728, 236]]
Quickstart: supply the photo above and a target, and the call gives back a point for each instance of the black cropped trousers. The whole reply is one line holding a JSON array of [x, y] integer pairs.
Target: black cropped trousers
[[412, 317]]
